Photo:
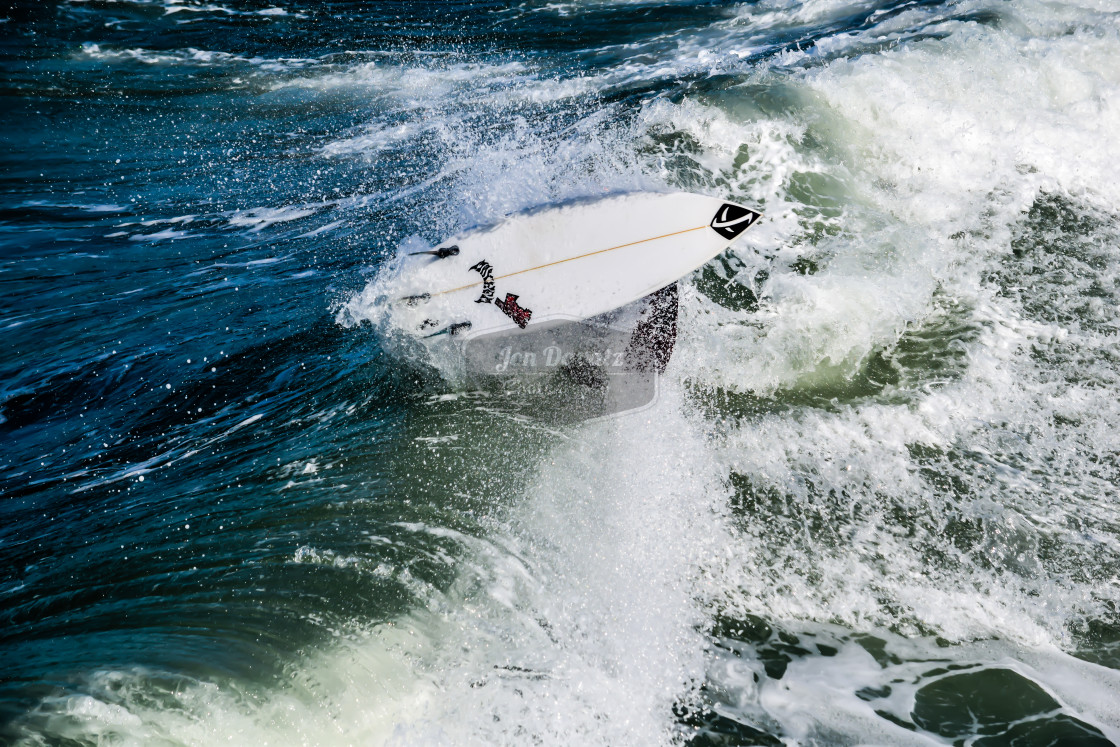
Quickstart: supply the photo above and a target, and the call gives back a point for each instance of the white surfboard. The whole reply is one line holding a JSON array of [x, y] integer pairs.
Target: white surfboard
[[564, 263]]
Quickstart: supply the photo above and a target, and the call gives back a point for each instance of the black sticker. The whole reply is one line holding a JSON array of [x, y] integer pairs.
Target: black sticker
[[484, 269], [731, 220], [511, 309]]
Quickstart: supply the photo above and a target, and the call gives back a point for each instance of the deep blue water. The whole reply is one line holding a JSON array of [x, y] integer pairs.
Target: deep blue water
[[876, 502]]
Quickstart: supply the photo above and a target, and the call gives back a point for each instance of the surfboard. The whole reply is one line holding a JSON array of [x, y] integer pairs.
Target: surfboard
[[564, 263]]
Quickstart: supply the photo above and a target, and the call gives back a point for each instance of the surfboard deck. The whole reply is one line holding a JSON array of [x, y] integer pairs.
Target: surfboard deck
[[564, 263]]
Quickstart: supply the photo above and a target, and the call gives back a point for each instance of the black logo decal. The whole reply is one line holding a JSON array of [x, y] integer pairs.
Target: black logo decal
[[731, 220], [509, 306], [484, 269]]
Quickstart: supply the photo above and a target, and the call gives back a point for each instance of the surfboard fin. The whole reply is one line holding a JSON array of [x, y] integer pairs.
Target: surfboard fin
[[441, 253], [454, 329], [651, 343], [418, 299]]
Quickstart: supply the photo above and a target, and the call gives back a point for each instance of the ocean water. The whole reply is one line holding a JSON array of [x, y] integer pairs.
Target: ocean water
[[876, 502]]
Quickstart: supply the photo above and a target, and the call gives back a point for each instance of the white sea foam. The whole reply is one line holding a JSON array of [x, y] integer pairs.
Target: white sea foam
[[261, 218], [164, 235], [192, 56], [943, 162], [423, 84], [89, 208]]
